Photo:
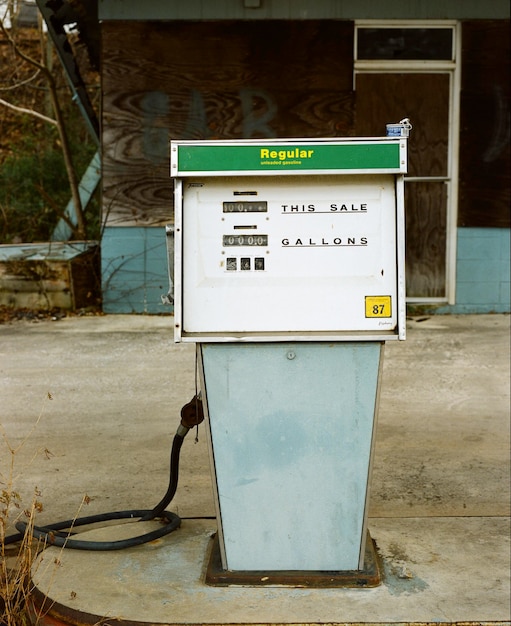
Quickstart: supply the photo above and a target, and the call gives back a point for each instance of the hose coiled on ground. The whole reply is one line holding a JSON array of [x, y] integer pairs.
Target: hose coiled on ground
[[191, 415]]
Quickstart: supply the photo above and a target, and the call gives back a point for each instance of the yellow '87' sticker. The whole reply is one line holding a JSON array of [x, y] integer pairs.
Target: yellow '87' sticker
[[378, 306]]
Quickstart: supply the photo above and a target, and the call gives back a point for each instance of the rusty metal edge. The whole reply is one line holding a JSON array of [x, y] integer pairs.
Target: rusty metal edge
[[368, 577], [43, 611]]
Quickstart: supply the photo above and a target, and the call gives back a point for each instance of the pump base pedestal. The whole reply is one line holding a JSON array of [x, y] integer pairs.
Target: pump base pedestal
[[370, 576]]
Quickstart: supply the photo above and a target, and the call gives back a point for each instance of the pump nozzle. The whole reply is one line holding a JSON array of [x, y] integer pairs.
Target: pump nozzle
[[192, 414]]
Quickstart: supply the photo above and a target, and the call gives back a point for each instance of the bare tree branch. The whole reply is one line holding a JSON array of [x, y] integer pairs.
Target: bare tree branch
[[29, 112], [20, 53], [21, 83], [81, 228]]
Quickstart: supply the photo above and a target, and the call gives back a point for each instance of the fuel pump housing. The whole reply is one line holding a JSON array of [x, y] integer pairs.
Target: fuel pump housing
[[289, 277]]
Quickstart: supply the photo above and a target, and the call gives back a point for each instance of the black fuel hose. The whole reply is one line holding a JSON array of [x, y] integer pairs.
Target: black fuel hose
[[159, 509], [191, 415], [50, 535]]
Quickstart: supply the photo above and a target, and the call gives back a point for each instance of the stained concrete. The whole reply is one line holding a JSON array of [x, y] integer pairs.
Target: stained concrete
[[427, 567], [89, 406]]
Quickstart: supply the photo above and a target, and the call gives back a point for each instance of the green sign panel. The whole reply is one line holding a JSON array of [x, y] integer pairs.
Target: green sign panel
[[360, 156]]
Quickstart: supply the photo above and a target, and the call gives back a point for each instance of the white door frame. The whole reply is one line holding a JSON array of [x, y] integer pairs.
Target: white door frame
[[453, 69]]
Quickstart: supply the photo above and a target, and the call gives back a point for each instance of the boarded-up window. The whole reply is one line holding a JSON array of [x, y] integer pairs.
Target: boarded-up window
[[485, 125], [206, 80]]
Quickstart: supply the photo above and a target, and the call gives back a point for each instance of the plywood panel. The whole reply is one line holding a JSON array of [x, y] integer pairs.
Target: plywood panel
[[426, 224], [424, 98], [383, 98], [184, 80], [485, 162]]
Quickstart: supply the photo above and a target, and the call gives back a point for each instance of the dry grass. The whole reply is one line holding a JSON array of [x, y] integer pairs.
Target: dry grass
[[16, 563], [16, 560]]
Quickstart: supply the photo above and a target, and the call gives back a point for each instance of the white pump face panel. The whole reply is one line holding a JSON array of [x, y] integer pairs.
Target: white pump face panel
[[289, 256]]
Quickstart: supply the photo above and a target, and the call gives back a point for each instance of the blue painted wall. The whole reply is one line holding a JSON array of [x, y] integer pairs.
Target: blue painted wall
[[134, 271], [482, 271]]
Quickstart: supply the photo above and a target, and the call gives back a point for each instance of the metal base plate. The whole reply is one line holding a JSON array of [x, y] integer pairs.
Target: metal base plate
[[368, 577]]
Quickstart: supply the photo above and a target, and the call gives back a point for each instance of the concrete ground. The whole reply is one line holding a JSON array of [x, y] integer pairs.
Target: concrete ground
[[88, 409]]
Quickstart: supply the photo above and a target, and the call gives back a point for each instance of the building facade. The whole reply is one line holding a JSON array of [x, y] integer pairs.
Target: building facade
[[247, 69]]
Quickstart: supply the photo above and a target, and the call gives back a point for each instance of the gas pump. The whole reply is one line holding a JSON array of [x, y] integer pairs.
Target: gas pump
[[289, 277]]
